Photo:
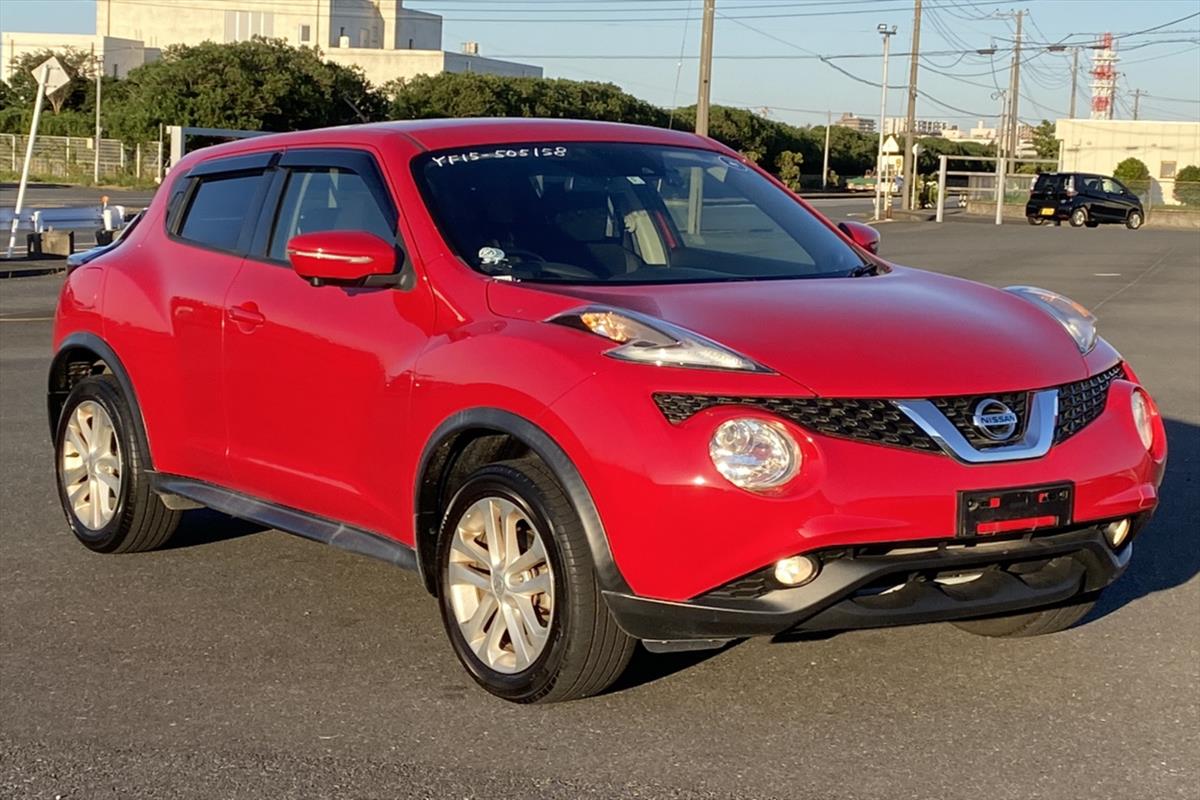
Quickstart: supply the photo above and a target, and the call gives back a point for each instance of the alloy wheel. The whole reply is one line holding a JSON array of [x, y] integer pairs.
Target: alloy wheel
[[91, 465], [501, 585]]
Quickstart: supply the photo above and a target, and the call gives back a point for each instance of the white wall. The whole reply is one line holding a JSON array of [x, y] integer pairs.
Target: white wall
[[119, 55], [1090, 145]]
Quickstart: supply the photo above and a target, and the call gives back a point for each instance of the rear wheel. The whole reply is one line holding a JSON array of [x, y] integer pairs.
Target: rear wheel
[[1036, 220], [1033, 623], [1134, 220], [101, 473], [1079, 217], [518, 590]]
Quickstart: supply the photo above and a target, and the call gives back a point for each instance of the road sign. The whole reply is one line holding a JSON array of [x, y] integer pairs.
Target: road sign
[[56, 76]]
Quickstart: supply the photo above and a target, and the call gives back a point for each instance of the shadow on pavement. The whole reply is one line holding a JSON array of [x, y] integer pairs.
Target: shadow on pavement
[[647, 667], [204, 526]]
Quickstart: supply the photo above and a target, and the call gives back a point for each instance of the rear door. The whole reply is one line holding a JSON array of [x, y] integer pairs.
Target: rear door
[[319, 376]]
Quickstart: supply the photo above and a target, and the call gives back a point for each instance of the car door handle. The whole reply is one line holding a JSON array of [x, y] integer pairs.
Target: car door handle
[[246, 316]]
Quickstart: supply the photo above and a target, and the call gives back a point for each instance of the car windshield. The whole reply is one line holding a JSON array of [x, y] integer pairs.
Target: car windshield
[[623, 213]]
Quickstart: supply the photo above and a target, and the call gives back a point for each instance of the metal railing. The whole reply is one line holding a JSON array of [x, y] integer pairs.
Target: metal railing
[[73, 157]]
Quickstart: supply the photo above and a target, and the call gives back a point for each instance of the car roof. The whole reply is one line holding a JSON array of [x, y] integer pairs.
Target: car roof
[[439, 134]]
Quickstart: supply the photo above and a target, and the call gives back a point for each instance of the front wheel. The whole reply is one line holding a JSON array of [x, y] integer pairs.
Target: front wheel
[[1079, 217], [1033, 623], [101, 473], [1134, 220], [518, 591]]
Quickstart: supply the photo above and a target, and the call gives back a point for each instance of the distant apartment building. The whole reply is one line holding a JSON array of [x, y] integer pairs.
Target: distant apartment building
[[382, 37], [895, 126], [860, 124]]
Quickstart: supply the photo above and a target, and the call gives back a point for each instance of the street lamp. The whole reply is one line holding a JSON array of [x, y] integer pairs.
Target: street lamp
[[887, 33]]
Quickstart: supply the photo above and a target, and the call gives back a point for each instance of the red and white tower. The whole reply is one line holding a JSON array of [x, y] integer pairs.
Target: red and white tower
[[1104, 78]]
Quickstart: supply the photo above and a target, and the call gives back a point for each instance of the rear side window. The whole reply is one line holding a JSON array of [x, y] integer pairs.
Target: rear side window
[[1048, 183], [218, 210], [327, 199]]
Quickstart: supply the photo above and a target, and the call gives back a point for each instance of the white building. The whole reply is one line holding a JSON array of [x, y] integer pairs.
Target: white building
[[860, 124], [1092, 145], [922, 127], [382, 37]]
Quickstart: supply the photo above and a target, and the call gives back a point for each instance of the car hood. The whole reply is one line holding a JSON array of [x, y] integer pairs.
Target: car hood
[[905, 333]]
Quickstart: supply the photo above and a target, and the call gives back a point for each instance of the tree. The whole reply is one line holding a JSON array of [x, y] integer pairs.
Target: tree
[[1044, 142], [1132, 170], [1187, 186], [789, 169], [262, 84]]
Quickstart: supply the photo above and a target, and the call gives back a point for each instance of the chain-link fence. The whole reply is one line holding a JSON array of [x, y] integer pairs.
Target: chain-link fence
[[73, 158]]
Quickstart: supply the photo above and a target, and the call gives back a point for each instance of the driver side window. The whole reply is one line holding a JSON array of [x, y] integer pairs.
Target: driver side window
[[326, 199]]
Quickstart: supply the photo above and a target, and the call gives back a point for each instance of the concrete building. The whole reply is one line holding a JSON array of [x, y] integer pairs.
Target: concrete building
[[860, 124], [1092, 145], [382, 37], [921, 127]]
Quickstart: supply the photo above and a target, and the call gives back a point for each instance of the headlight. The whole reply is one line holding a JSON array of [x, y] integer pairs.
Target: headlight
[[1143, 418], [1074, 318], [754, 454], [652, 341]]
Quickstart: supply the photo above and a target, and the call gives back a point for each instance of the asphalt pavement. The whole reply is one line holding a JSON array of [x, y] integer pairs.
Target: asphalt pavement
[[247, 664]]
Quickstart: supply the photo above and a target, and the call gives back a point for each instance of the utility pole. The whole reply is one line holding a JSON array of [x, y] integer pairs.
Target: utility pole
[[1074, 78], [1014, 92], [825, 162], [1137, 96], [887, 34], [910, 159], [706, 48], [98, 66]]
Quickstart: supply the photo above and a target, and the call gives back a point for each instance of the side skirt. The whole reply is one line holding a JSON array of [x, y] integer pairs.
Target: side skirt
[[286, 519]]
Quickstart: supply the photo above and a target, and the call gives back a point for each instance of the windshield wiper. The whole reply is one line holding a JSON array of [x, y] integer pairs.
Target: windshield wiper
[[863, 269]]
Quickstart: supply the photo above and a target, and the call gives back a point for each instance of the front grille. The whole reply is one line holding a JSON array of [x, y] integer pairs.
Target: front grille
[[881, 422], [960, 410], [1080, 403], [876, 421]]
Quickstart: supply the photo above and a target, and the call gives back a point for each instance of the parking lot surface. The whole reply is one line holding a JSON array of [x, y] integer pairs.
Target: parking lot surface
[[241, 663]]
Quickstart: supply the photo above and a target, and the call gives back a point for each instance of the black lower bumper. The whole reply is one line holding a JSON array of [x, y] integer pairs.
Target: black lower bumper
[[898, 584]]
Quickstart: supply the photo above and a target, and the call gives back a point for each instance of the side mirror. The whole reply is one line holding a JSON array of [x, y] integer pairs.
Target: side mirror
[[340, 256], [862, 235]]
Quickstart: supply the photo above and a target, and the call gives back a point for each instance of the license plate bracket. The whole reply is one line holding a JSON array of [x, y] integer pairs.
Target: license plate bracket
[[1029, 508]]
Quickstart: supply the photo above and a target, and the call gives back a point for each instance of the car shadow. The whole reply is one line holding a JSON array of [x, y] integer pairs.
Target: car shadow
[[203, 526], [1165, 554], [646, 667]]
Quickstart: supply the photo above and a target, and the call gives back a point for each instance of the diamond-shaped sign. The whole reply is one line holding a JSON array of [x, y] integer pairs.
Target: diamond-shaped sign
[[56, 77]]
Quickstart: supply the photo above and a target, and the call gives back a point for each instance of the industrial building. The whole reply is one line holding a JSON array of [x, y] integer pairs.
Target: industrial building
[[1098, 145]]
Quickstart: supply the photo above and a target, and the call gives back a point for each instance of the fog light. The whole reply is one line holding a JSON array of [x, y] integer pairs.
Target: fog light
[[1116, 532], [796, 570]]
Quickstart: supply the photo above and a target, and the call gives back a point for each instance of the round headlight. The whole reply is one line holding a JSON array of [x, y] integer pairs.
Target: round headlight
[[754, 453], [1142, 418]]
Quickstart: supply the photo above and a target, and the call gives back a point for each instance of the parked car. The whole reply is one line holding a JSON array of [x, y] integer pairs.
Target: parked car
[[597, 384], [1083, 199]]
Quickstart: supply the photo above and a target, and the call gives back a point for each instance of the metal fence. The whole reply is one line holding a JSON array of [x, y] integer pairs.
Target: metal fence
[[73, 157]]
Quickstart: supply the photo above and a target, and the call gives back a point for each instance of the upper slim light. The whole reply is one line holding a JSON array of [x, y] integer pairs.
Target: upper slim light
[[1075, 319]]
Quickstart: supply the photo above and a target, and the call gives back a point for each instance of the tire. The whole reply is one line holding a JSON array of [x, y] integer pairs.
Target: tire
[[1091, 223], [1036, 220], [1134, 220], [1079, 217], [131, 517], [582, 650], [1032, 623]]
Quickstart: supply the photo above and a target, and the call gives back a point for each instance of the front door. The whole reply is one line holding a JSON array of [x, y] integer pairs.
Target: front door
[[319, 376]]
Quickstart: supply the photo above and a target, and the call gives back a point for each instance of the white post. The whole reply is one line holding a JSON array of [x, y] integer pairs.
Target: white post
[[1000, 165], [825, 163], [13, 154], [137, 169], [96, 159], [33, 126], [941, 201], [887, 38]]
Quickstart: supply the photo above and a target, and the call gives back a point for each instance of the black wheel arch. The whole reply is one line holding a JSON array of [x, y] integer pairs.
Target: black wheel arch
[[451, 439], [81, 354]]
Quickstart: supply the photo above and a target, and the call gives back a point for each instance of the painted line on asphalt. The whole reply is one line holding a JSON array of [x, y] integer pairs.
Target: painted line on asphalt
[[25, 319]]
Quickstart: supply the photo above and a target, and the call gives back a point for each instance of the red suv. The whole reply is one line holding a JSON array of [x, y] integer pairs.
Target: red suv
[[596, 384]]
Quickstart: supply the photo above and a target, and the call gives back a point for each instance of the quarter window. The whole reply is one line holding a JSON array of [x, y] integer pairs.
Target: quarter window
[[218, 209], [327, 199]]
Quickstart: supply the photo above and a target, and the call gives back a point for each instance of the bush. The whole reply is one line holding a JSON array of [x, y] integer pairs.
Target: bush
[[1187, 185], [1131, 170]]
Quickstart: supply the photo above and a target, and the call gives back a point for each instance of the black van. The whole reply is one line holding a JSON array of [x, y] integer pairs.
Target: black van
[[1084, 199]]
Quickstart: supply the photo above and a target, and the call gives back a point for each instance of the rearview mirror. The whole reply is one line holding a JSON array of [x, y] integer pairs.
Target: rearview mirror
[[340, 256], [862, 235]]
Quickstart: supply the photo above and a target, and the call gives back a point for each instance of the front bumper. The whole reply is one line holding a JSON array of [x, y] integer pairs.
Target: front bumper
[[895, 584]]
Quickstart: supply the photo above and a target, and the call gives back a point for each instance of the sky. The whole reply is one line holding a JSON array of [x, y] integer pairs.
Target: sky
[[768, 53]]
